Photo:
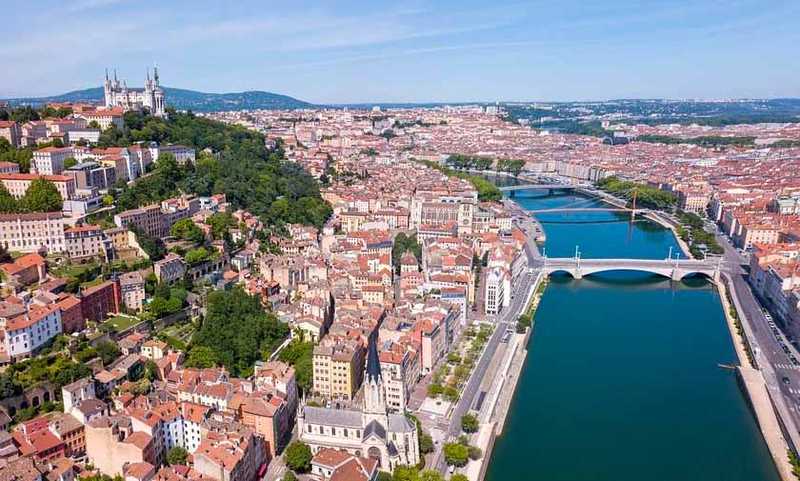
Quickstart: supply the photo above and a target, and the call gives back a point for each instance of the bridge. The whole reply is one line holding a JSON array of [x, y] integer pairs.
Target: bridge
[[675, 269], [583, 209], [513, 188]]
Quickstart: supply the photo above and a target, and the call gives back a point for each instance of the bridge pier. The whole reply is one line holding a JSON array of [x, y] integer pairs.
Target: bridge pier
[[677, 275]]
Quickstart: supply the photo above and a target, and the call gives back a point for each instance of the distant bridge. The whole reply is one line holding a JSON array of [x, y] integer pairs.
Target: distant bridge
[[582, 209], [675, 269], [513, 188]]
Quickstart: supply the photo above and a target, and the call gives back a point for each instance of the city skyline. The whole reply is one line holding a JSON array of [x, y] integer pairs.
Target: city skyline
[[412, 52]]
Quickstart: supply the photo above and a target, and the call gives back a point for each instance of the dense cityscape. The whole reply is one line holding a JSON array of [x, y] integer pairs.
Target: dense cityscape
[[350, 293]]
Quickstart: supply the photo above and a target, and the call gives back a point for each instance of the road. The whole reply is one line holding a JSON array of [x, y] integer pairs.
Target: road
[[781, 374], [505, 320]]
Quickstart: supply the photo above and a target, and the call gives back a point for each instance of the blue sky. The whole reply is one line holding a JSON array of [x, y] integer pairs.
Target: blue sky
[[396, 51]]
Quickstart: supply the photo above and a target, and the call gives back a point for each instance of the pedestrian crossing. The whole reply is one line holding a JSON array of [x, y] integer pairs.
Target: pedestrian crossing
[[788, 367], [794, 391]]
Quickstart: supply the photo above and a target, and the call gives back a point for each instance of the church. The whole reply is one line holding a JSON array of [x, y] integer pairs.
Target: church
[[374, 432], [151, 97]]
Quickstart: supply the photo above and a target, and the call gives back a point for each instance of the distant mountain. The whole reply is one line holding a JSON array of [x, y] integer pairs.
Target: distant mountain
[[183, 99]]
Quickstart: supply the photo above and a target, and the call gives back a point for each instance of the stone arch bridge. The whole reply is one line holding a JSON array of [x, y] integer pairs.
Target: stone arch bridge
[[675, 269]]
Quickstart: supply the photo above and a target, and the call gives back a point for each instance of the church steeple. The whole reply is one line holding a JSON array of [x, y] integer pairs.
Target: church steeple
[[374, 396]]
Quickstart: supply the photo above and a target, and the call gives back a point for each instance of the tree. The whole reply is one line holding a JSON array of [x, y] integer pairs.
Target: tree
[[8, 203], [426, 443], [186, 229], [41, 196], [70, 162], [430, 475], [383, 476], [456, 454], [298, 457], [238, 330], [289, 476], [301, 356], [475, 453], [177, 455], [108, 352], [202, 357], [469, 423], [197, 256], [150, 370], [459, 477]]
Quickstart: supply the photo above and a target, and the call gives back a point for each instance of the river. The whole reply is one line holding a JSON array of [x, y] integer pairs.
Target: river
[[621, 382]]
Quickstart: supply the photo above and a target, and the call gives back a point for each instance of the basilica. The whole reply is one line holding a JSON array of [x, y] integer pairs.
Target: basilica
[[372, 431], [151, 97]]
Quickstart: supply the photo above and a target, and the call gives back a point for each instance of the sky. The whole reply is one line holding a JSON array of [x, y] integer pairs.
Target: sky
[[410, 51]]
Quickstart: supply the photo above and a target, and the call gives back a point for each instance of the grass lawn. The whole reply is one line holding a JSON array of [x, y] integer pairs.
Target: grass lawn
[[74, 270], [120, 323]]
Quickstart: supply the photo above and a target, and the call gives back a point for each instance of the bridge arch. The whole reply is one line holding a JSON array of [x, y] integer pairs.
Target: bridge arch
[[707, 275]]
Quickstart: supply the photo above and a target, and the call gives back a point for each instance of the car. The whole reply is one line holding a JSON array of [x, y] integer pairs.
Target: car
[[786, 380]]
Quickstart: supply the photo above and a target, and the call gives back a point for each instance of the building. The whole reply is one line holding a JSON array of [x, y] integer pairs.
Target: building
[[100, 300], [104, 118], [695, 201], [183, 154], [25, 334], [151, 97], [155, 220], [372, 431], [88, 175], [131, 286], [111, 443], [497, 293], [332, 464], [50, 160], [25, 270], [11, 131], [9, 168], [17, 184], [230, 456], [87, 241], [338, 368], [170, 269], [32, 232]]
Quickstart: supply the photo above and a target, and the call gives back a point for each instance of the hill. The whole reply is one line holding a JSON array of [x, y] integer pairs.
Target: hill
[[183, 99]]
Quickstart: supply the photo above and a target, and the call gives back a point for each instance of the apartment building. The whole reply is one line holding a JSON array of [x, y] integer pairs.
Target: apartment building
[[86, 241], [170, 269], [338, 367], [50, 160], [31, 232], [11, 131], [25, 334], [131, 286], [18, 184]]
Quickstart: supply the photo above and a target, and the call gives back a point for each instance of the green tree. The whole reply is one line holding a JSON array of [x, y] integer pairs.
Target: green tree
[[41, 196], [202, 357], [289, 476], [108, 352], [177, 455], [456, 454], [459, 477], [197, 256], [70, 162], [186, 229], [8, 203], [469, 423], [300, 355], [298, 457], [430, 475], [238, 329]]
